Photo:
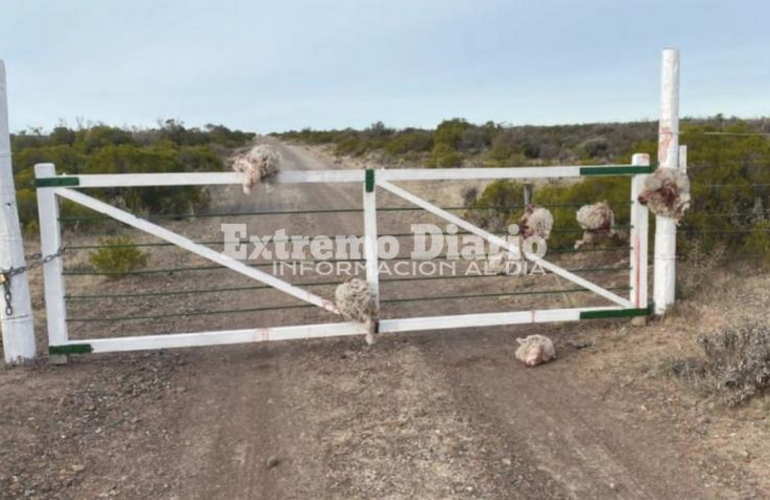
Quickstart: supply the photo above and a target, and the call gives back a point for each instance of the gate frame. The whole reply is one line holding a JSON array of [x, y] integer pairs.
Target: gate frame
[[51, 187]]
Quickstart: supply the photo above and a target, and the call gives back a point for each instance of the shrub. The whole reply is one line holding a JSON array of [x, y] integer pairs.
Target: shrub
[[729, 174], [503, 147], [494, 210], [26, 201], [696, 270], [352, 145], [758, 242], [470, 194], [409, 141], [99, 136], [451, 159], [475, 140], [450, 132], [378, 130], [595, 148], [734, 367], [119, 257], [737, 364], [444, 156], [101, 149]]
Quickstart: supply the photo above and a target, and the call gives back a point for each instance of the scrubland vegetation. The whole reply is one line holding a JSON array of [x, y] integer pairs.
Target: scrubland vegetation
[[729, 164], [171, 147]]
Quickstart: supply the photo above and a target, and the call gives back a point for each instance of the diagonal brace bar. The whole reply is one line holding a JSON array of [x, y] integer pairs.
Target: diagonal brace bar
[[203, 251], [502, 243]]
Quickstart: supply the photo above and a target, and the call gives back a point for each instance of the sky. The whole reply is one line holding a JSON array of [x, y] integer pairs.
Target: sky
[[291, 64]]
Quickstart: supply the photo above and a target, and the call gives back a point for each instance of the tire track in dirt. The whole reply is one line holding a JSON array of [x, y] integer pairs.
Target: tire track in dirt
[[247, 390], [435, 415], [561, 423], [344, 420]]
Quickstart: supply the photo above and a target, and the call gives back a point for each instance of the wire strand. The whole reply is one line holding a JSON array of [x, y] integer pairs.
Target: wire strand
[[305, 306]]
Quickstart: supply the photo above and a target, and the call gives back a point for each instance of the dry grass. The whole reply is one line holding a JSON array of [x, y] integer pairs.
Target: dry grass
[[697, 269], [734, 367]]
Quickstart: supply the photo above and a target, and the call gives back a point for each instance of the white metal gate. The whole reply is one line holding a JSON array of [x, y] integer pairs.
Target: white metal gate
[[51, 187]]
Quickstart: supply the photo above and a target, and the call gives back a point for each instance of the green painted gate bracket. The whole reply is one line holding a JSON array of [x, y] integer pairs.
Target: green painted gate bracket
[[70, 349], [45, 182], [369, 180], [616, 170], [617, 313]]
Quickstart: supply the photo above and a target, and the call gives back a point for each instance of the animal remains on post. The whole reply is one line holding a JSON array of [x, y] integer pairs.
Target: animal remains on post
[[597, 221], [355, 303], [667, 193], [260, 165], [536, 221]]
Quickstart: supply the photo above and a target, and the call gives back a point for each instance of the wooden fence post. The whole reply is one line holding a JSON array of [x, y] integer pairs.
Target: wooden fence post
[[664, 289], [370, 236], [16, 319], [53, 280], [640, 217], [527, 194]]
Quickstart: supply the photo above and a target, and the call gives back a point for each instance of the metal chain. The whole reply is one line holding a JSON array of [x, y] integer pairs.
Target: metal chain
[[8, 297], [7, 274]]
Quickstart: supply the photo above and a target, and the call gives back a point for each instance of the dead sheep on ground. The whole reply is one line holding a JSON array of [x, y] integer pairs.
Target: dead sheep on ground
[[536, 221], [260, 165], [535, 349], [355, 302], [597, 221], [667, 193]]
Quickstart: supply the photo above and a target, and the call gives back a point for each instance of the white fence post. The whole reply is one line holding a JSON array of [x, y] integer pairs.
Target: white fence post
[[53, 280], [683, 159], [639, 235], [18, 328], [370, 236], [668, 157]]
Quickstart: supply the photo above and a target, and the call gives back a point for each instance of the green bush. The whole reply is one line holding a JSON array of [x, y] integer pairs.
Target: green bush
[[448, 159], [119, 257], [415, 141], [351, 146], [102, 149], [757, 243], [450, 132], [497, 206], [730, 174]]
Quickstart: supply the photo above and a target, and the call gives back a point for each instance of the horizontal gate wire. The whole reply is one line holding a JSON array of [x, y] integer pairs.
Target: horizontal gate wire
[[329, 210], [305, 306], [268, 264]]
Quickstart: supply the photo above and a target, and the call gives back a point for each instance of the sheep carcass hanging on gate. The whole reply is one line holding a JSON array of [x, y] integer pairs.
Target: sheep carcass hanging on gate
[[355, 302], [260, 165], [536, 221], [667, 193], [597, 221]]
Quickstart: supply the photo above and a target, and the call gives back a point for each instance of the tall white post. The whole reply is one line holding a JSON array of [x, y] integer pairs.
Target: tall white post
[[17, 327], [639, 234], [371, 246], [668, 157], [370, 237], [53, 279]]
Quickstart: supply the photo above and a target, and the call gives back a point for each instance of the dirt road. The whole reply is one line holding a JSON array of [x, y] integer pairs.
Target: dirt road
[[430, 415]]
